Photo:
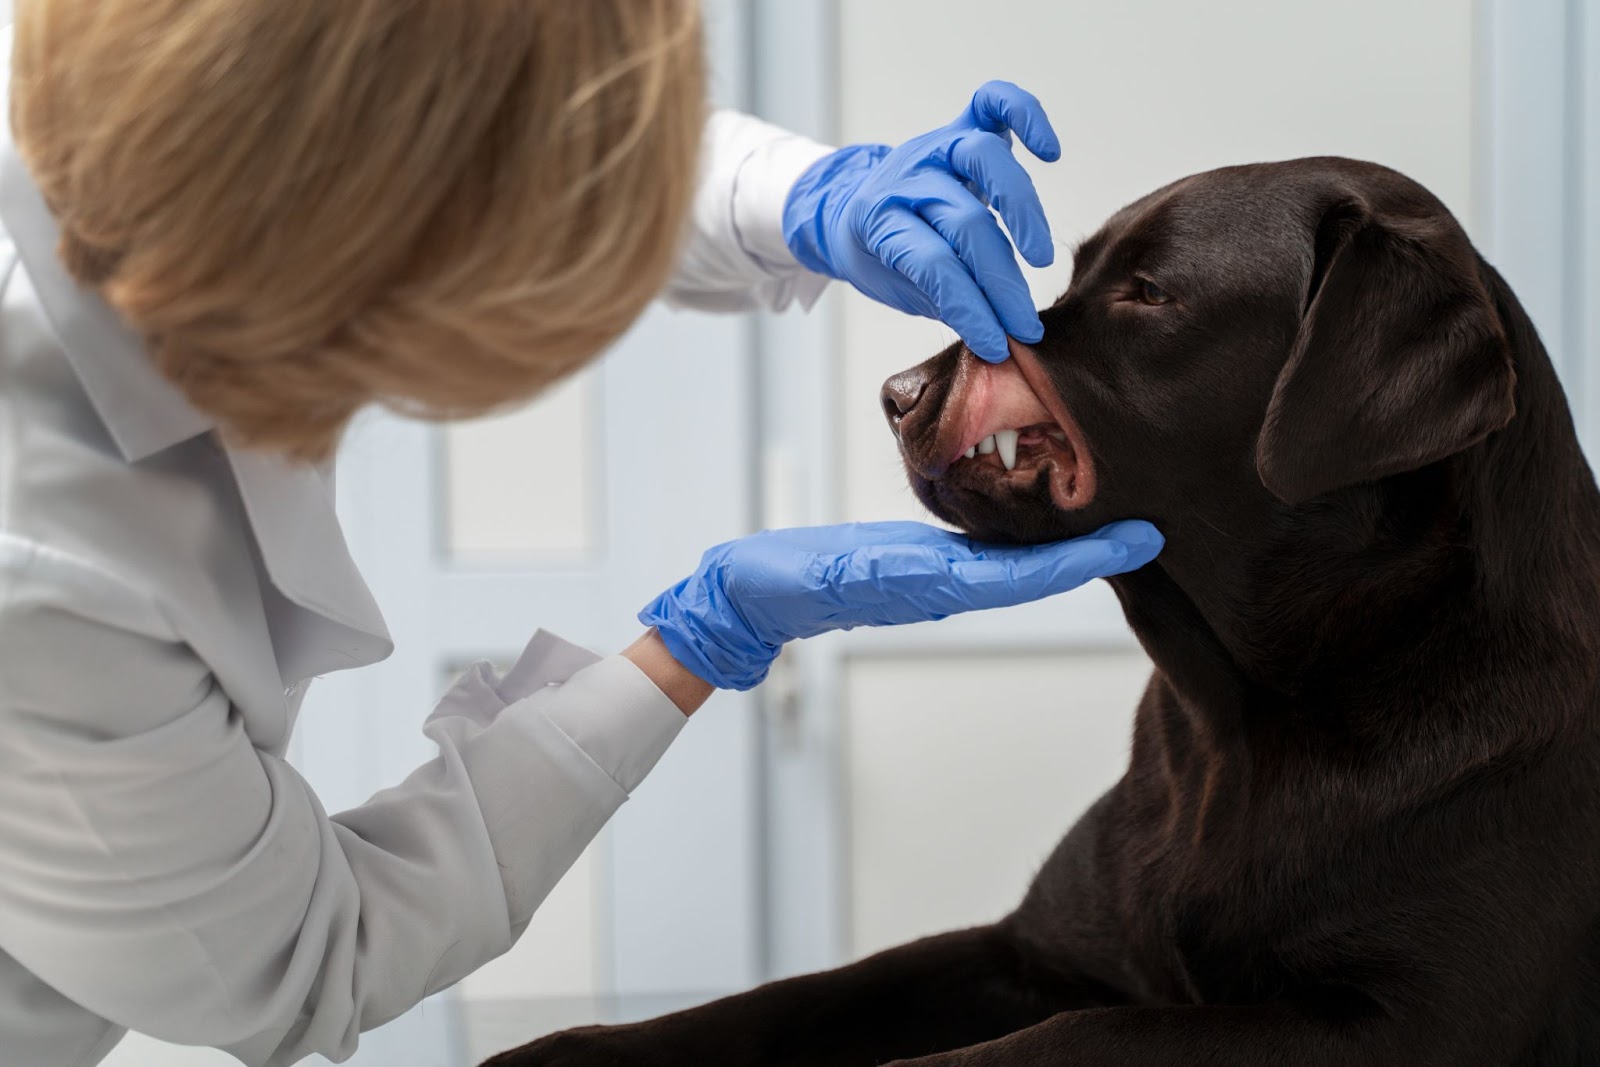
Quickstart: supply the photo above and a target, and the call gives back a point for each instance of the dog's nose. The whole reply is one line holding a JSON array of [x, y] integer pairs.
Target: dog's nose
[[900, 394]]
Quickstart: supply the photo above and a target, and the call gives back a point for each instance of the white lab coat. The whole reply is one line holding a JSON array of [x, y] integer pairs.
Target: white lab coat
[[164, 603]]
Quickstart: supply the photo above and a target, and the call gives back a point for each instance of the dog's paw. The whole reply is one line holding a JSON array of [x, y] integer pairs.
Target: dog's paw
[[587, 1046]]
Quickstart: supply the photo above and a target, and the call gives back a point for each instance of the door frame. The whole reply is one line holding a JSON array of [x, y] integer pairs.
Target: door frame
[[1538, 177]]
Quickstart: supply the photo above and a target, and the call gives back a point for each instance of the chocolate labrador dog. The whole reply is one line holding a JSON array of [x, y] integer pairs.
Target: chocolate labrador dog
[[1361, 824]]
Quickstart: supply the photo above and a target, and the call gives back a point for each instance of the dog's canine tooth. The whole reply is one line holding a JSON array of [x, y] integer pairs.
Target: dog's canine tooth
[[1006, 443]]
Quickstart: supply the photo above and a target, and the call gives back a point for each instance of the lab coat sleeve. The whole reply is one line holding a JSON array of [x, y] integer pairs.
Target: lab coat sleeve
[[158, 869], [734, 257]]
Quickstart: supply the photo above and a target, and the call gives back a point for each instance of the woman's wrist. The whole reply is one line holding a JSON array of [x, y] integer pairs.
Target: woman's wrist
[[681, 685]]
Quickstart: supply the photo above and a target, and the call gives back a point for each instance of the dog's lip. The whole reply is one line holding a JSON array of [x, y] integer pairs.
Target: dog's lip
[[990, 398], [988, 404], [1039, 381]]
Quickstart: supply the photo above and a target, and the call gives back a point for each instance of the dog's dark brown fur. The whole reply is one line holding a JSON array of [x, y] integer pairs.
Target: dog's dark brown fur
[[1361, 824]]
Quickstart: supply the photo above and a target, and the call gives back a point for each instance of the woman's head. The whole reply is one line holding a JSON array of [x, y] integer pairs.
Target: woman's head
[[309, 206]]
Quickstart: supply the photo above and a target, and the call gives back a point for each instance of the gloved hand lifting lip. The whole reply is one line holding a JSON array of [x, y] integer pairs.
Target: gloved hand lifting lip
[[915, 226]]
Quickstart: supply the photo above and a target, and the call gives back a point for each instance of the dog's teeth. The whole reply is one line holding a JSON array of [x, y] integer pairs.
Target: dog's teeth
[[986, 445], [1006, 443], [969, 453]]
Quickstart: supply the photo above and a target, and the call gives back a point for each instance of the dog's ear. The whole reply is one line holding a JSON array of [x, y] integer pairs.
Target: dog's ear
[[1400, 360]]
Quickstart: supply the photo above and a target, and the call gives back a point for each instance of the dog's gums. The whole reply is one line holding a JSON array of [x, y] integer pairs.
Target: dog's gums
[[995, 430]]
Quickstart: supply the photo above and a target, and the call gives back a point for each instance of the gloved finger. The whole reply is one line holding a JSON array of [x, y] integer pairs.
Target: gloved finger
[[914, 582], [851, 535], [900, 292], [881, 282], [1135, 533], [984, 160], [981, 584], [927, 259], [1007, 574], [973, 233], [1041, 572], [1001, 105], [1142, 541], [905, 532], [884, 574]]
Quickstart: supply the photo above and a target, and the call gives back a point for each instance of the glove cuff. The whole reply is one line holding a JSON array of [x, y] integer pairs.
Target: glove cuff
[[706, 653]]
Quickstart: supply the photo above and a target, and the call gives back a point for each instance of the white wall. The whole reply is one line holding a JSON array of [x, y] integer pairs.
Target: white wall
[[963, 772]]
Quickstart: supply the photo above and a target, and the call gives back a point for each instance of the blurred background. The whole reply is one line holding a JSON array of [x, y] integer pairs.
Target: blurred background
[[886, 785]]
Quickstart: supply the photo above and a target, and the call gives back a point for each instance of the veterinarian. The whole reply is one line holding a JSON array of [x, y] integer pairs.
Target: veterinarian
[[229, 225]]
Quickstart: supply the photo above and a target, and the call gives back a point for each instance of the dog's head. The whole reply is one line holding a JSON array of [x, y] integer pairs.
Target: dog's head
[[1240, 344]]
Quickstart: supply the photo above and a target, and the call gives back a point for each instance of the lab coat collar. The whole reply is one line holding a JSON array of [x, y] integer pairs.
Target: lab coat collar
[[144, 413], [290, 507]]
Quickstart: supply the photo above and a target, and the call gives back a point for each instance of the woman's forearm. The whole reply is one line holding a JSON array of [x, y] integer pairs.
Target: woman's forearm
[[681, 685]]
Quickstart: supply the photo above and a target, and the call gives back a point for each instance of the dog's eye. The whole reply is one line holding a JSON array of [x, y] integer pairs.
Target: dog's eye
[[1153, 294]]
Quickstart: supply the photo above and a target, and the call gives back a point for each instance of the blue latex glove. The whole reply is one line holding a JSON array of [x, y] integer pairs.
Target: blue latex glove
[[728, 620], [911, 226]]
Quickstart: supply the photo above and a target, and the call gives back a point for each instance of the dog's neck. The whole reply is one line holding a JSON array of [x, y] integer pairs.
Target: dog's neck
[[1474, 562]]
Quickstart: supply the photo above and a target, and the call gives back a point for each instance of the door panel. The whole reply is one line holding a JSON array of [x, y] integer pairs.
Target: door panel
[[524, 487]]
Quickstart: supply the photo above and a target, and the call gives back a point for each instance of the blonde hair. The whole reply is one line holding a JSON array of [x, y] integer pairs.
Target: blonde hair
[[307, 206]]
